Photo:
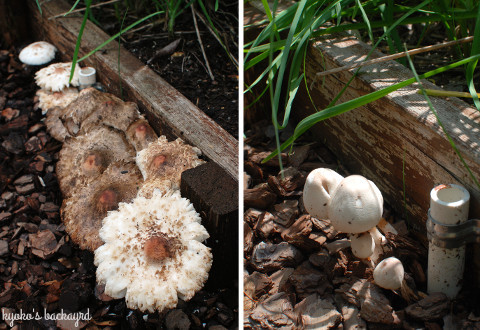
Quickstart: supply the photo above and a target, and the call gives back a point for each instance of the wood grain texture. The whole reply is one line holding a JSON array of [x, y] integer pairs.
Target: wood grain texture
[[377, 139], [167, 110]]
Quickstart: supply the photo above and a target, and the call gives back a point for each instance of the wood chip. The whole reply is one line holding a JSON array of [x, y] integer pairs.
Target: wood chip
[[316, 313], [260, 198], [43, 244], [433, 307], [268, 257]]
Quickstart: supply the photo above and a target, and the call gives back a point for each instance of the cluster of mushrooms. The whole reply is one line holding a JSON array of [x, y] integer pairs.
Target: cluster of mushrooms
[[354, 205], [120, 183]]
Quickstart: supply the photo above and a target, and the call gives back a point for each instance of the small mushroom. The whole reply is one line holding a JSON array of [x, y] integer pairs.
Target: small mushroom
[[140, 134], [362, 245], [48, 100], [84, 158], [319, 185], [55, 77], [356, 205], [153, 253], [389, 274], [84, 211], [38, 53], [167, 160]]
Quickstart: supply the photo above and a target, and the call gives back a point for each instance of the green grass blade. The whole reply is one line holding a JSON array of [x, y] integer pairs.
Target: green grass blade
[[472, 65], [73, 8], [336, 110], [79, 39], [366, 19], [118, 34], [39, 7]]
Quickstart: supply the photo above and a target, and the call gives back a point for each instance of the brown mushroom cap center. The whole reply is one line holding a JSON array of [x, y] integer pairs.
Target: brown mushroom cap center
[[107, 200], [93, 163], [159, 161], [158, 248], [141, 131], [59, 71]]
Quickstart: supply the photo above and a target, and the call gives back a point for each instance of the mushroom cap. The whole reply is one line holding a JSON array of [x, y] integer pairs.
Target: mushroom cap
[[389, 273], [140, 134], [48, 99], [362, 245], [153, 253], [84, 211], [319, 185], [167, 160], [356, 205], [149, 186], [93, 107], [85, 157], [38, 53], [55, 125], [56, 76]]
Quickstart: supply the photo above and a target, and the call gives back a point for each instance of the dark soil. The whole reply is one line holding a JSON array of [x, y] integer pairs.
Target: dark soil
[[184, 67], [41, 270]]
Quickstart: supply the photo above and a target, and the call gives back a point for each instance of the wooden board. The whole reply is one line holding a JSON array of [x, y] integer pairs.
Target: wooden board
[[167, 110], [376, 140]]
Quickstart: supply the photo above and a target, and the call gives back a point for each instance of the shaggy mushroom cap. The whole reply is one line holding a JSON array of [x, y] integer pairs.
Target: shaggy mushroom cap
[[389, 274], [319, 185], [149, 186], [140, 134], [84, 158], [55, 77], [38, 53], [153, 253], [356, 205], [167, 160], [48, 100], [84, 211], [55, 125]]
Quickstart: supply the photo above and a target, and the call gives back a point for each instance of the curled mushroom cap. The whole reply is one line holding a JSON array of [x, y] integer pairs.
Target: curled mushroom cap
[[389, 274], [167, 160], [356, 205], [319, 185], [38, 53], [55, 125], [93, 108], [153, 253], [84, 211], [48, 100], [55, 77], [140, 134], [85, 157]]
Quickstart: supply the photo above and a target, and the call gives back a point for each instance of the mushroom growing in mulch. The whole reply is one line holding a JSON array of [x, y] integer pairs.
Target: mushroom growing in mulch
[[91, 109], [48, 99], [153, 253], [56, 77], [84, 211], [140, 134], [84, 158], [38, 53], [163, 160]]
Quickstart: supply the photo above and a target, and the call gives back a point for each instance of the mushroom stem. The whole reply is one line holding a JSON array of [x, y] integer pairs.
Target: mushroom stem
[[380, 242]]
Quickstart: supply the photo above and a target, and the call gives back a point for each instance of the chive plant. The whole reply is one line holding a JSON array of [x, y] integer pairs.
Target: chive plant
[[282, 45]]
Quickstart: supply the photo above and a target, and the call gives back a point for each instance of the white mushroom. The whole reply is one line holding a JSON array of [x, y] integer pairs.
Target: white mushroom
[[153, 253], [55, 77], [389, 274], [362, 245], [356, 205], [319, 185], [38, 53]]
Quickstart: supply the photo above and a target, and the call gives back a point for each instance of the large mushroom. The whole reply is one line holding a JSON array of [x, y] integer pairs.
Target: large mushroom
[[84, 211], [38, 53], [56, 77], [163, 160], [92, 108], [153, 253], [84, 158]]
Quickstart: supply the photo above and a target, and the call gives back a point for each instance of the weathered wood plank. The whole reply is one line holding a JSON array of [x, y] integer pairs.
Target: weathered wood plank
[[168, 111], [377, 139]]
